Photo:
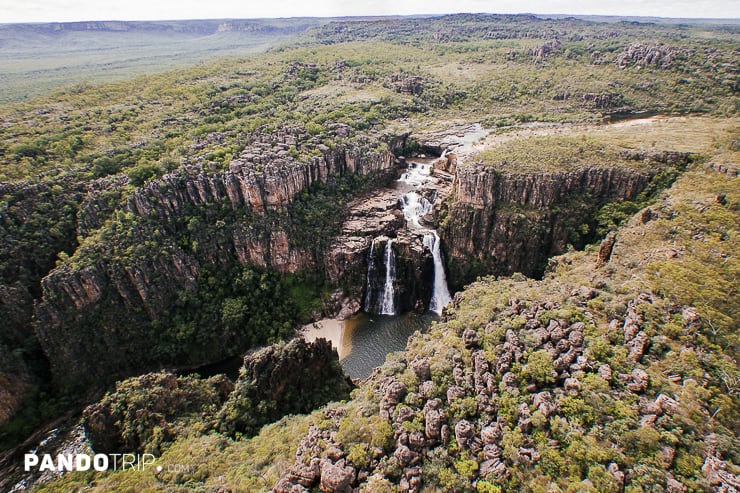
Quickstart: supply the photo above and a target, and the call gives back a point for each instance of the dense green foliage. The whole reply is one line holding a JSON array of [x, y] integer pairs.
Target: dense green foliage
[[144, 414]]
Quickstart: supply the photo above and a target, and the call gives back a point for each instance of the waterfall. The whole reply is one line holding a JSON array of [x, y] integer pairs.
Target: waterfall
[[417, 174], [381, 300], [414, 207], [382, 303], [440, 293], [387, 305], [370, 275]]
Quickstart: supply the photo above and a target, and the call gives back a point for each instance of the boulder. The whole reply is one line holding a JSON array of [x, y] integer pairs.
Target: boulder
[[421, 368], [336, 479], [470, 338], [406, 457], [464, 432], [640, 381]]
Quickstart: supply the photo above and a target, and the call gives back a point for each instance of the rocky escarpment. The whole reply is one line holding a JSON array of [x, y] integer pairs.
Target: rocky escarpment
[[275, 208], [290, 378], [518, 373], [501, 222]]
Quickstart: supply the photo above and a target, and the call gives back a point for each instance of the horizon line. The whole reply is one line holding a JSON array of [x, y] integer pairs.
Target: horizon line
[[377, 16]]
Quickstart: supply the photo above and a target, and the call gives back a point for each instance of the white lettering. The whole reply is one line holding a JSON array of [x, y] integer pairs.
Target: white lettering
[[100, 462], [145, 463], [30, 460], [47, 464], [82, 462], [115, 461], [65, 462]]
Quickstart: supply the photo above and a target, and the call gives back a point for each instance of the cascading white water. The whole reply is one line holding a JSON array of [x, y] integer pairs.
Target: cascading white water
[[370, 275], [414, 207], [440, 292], [387, 302], [417, 174]]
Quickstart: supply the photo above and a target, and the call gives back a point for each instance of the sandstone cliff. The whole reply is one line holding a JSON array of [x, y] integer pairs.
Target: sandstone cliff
[[191, 227], [501, 222], [290, 378]]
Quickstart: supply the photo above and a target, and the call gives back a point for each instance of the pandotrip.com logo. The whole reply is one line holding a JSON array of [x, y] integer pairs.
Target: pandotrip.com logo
[[85, 462]]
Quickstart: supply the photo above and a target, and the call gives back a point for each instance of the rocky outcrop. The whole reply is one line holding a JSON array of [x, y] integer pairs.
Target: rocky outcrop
[[517, 375], [547, 49], [411, 85], [605, 249], [658, 56], [603, 101], [296, 377], [145, 412], [507, 222]]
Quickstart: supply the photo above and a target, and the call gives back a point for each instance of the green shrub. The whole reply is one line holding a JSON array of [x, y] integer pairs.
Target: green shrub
[[539, 368]]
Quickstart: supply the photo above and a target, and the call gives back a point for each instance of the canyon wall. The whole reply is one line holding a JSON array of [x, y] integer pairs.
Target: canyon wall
[[501, 223], [112, 310]]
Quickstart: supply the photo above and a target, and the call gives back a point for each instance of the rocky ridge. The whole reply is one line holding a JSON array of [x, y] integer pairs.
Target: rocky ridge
[[553, 364]]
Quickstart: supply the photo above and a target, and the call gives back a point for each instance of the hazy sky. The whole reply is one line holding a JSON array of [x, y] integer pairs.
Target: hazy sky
[[75, 10]]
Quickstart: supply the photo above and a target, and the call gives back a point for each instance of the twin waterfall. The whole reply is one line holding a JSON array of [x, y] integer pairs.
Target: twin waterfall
[[440, 294], [414, 207], [385, 304]]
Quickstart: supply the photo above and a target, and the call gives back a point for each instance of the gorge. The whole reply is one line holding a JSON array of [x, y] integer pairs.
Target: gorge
[[383, 252], [449, 190]]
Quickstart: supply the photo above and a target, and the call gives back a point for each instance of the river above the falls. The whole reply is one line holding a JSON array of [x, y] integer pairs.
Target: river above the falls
[[364, 340]]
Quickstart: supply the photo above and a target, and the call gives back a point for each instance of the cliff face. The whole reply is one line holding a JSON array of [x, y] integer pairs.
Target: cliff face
[[116, 299], [37, 221], [413, 276], [513, 223]]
